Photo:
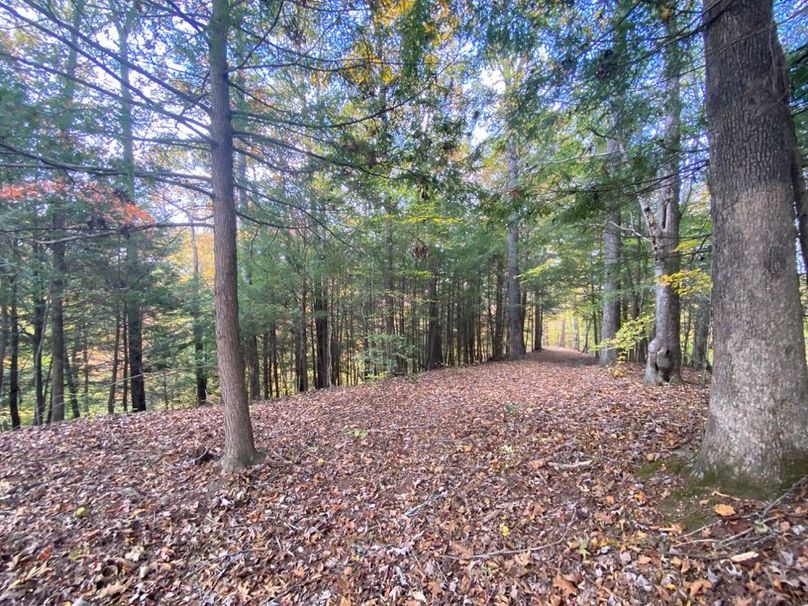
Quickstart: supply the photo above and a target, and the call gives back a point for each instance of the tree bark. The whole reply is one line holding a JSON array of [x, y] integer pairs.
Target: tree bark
[[14, 367], [322, 335], [701, 333], [134, 312], [113, 385], [200, 362], [39, 321], [538, 321], [4, 340], [516, 339], [499, 321], [664, 358], [57, 323], [239, 445], [610, 323], [434, 344], [756, 440]]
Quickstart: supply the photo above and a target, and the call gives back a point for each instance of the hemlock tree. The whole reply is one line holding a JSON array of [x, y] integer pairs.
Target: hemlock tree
[[757, 432], [239, 446]]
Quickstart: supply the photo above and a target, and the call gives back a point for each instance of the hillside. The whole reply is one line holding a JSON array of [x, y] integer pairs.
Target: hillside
[[542, 481]]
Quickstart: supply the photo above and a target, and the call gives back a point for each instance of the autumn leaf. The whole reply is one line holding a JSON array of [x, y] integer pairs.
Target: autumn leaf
[[724, 510], [566, 584], [746, 556]]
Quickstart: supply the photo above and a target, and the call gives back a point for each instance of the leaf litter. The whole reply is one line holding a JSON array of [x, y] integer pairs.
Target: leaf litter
[[545, 481]]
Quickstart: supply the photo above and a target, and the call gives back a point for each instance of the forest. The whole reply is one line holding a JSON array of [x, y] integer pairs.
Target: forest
[[403, 302]]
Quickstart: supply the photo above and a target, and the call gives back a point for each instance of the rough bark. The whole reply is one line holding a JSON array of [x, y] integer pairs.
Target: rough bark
[[516, 339], [239, 445], [664, 358], [756, 440]]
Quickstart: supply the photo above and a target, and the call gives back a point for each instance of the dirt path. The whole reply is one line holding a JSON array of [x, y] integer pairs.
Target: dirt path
[[542, 481]]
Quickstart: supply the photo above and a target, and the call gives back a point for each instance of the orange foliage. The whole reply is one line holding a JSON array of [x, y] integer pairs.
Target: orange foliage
[[106, 204]]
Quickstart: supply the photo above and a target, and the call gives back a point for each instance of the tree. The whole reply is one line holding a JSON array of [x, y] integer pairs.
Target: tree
[[664, 357], [757, 430], [239, 446]]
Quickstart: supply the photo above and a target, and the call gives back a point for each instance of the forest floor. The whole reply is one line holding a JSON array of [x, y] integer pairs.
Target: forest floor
[[547, 481]]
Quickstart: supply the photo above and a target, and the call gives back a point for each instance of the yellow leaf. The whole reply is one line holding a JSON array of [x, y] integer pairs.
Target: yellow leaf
[[724, 510], [80, 512], [505, 530]]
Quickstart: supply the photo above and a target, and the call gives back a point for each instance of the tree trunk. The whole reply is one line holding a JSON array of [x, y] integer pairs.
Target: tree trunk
[[135, 315], [434, 344], [239, 445], [113, 385], [611, 274], [125, 373], [701, 333], [266, 368], [322, 335], [499, 321], [756, 440], [4, 339], [70, 378], [14, 367], [57, 323], [538, 320], [200, 362], [39, 321], [516, 339], [664, 358]]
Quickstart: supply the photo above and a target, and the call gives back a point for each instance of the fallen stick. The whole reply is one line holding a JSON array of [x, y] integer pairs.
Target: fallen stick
[[566, 466]]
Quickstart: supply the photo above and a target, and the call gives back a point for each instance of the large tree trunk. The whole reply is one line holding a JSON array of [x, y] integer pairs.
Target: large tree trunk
[[239, 445], [516, 339], [756, 439], [664, 357], [58, 249], [134, 313]]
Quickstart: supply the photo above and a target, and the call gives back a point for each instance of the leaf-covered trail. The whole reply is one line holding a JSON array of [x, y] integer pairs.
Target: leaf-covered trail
[[542, 481]]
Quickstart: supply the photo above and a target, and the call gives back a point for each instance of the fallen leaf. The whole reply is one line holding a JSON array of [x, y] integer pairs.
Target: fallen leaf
[[724, 510]]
